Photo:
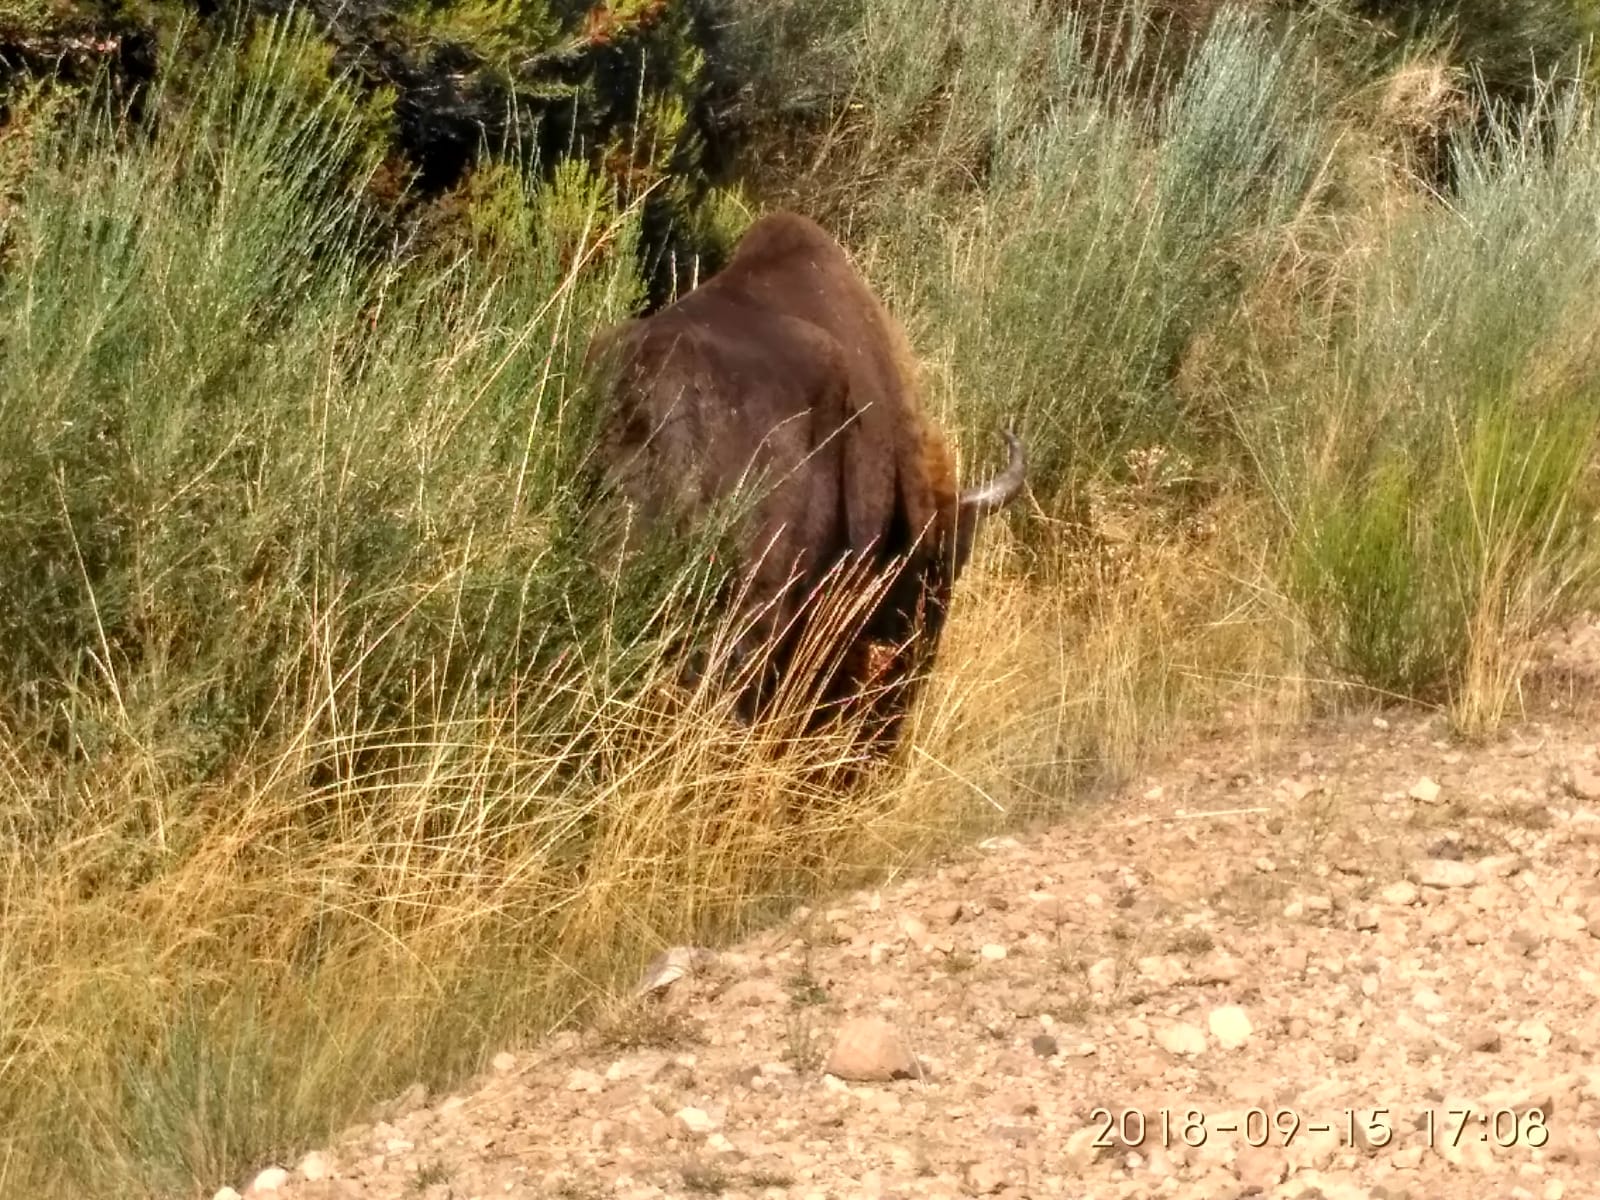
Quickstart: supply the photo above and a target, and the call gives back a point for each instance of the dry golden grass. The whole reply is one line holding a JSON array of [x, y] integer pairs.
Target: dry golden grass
[[191, 977]]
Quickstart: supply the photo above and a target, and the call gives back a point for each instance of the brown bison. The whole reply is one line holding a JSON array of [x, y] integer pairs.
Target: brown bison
[[785, 371]]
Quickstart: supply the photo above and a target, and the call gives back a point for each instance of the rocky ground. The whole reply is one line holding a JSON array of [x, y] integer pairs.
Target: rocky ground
[[1362, 963]]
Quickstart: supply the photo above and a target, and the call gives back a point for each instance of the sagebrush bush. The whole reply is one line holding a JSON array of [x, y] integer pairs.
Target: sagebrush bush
[[1441, 482], [1111, 234]]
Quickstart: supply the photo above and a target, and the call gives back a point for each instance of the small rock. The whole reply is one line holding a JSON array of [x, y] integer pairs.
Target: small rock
[[1523, 941], [408, 1101], [1424, 791], [1574, 1144], [1502, 866], [1299, 789], [1583, 781], [1444, 873], [1442, 922], [1181, 1038], [315, 1167], [268, 1181], [1162, 969], [1260, 1167], [1045, 1046], [1467, 1154], [1536, 1032], [695, 1121], [1103, 975], [993, 951], [1057, 910], [1548, 1096], [1483, 1038], [674, 964], [1081, 1150], [985, 1178], [1230, 1025], [1401, 894], [1216, 967], [503, 1062], [1584, 827], [868, 1050], [226, 1193]]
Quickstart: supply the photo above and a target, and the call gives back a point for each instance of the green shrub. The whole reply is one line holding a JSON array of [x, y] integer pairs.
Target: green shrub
[[1107, 237], [1441, 489], [239, 450]]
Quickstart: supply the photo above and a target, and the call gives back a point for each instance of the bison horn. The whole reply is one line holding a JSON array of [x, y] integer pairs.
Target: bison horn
[[980, 502], [1003, 488]]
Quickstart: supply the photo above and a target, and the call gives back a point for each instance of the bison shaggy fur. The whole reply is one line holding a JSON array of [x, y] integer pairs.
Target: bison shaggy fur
[[784, 372]]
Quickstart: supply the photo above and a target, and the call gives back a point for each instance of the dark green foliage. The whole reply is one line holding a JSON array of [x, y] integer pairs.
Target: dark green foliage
[[243, 455], [1504, 42], [625, 87]]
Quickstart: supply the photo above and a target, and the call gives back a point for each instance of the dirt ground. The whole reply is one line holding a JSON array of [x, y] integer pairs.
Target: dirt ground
[[1362, 962]]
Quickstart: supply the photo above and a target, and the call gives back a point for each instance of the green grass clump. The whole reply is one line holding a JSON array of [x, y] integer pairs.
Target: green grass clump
[[1111, 234], [1441, 490], [235, 441]]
